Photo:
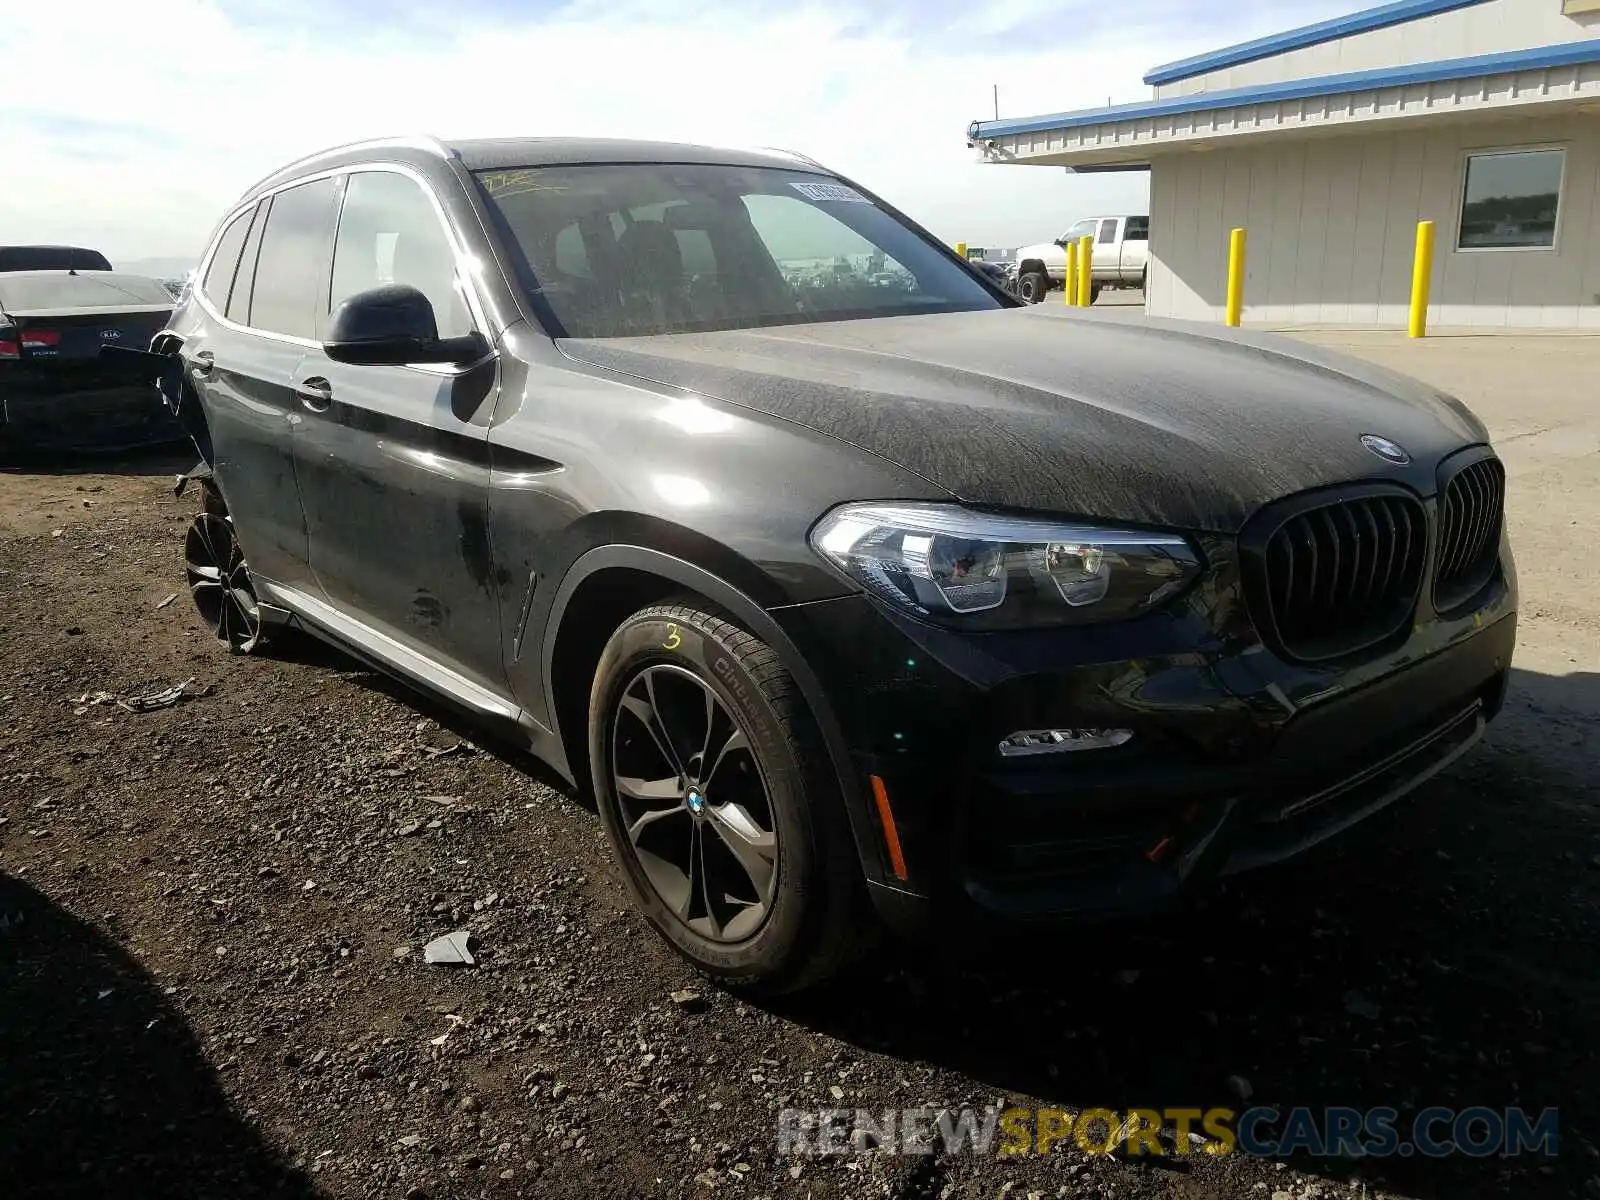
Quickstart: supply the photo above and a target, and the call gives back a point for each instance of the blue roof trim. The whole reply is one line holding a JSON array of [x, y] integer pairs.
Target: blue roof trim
[[1564, 55], [1365, 21]]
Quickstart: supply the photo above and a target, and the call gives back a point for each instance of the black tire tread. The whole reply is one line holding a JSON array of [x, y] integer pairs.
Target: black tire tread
[[212, 503]]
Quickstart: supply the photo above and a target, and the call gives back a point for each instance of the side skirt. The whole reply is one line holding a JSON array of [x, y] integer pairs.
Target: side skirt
[[496, 712]]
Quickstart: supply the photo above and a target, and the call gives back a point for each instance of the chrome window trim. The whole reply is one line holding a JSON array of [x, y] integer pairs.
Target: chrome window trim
[[464, 262]]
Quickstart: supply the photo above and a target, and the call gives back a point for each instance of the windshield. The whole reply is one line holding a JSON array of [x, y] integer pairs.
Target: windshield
[[24, 291], [645, 248], [1084, 228]]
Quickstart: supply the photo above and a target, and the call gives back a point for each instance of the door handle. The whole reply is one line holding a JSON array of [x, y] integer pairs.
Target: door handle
[[315, 393], [203, 363]]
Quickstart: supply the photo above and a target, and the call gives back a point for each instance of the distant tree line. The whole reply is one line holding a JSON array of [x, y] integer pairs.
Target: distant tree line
[[1533, 209]]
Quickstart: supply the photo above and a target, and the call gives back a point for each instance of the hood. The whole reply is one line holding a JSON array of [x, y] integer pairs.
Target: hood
[[1150, 422]]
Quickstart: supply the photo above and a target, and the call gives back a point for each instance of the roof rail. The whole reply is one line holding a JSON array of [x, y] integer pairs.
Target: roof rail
[[414, 142], [805, 158]]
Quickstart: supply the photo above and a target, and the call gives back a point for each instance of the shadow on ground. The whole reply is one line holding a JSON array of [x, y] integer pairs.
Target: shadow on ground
[[1443, 953], [1440, 954], [104, 1091]]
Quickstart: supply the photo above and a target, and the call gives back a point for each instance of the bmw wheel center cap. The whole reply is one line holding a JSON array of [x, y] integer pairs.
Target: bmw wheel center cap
[[695, 801]]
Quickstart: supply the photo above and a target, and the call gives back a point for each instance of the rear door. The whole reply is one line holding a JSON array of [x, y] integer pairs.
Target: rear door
[[1135, 247], [243, 362], [1105, 250], [393, 461]]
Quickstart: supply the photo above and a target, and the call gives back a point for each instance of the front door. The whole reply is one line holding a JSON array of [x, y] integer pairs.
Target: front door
[[393, 461]]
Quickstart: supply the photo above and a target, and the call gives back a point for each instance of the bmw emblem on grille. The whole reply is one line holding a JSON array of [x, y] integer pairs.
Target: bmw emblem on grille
[[1389, 451]]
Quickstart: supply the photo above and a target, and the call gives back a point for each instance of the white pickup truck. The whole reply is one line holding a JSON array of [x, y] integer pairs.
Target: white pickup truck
[[1121, 246]]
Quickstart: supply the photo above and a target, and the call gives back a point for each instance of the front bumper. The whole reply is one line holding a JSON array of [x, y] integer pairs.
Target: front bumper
[[1238, 758]]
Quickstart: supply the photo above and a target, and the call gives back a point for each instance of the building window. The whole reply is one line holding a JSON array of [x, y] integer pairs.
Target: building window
[[1510, 200]]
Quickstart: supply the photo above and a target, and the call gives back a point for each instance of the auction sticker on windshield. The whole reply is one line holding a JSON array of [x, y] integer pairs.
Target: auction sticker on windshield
[[830, 191]]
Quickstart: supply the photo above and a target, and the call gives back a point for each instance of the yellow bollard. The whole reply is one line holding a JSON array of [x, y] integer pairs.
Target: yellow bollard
[[1235, 277], [961, 249], [1085, 270], [1421, 278], [1069, 281]]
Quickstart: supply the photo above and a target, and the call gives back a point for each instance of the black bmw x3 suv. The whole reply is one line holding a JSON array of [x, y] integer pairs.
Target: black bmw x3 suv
[[855, 589]]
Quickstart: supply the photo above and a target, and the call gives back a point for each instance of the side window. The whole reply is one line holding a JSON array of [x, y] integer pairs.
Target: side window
[[218, 282], [1108, 231], [294, 248], [238, 309], [819, 254], [699, 256], [389, 232], [1138, 230], [572, 258]]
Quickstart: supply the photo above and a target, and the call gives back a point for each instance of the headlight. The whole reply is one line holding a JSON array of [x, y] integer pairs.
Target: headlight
[[988, 571]]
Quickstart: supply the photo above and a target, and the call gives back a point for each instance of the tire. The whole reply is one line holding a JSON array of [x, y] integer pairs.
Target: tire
[[1144, 283], [1094, 292], [211, 499], [1033, 287], [781, 785], [219, 578]]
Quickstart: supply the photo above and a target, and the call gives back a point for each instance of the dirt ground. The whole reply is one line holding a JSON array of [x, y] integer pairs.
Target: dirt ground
[[212, 917]]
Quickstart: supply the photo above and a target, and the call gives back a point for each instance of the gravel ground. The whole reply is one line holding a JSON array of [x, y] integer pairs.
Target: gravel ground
[[212, 919]]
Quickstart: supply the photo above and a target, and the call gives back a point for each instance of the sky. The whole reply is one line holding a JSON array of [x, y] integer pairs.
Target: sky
[[131, 128]]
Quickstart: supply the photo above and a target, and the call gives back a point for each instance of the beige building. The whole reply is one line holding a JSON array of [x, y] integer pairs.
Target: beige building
[[1330, 142]]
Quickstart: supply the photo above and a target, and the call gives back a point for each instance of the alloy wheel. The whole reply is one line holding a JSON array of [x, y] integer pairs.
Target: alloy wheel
[[219, 581], [694, 804]]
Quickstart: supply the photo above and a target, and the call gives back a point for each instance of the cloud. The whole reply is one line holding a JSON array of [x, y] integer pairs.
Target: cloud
[[134, 133]]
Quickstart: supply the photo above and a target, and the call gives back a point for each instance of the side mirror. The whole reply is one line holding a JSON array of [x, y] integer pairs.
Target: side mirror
[[394, 325]]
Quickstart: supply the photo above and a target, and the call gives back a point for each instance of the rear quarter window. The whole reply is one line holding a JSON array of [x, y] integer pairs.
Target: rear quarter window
[[224, 265]]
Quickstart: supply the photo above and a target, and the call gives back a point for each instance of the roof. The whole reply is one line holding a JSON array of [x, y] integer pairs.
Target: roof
[[1565, 54], [505, 153], [508, 153], [1385, 15], [50, 258]]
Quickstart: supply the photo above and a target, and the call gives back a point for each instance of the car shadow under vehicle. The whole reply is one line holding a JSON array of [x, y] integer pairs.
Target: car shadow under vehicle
[[1442, 953], [105, 1091]]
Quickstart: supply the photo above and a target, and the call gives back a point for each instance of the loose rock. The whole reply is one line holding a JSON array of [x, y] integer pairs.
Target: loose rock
[[451, 950]]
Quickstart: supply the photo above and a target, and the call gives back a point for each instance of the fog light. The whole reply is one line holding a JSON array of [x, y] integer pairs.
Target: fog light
[[1053, 741]]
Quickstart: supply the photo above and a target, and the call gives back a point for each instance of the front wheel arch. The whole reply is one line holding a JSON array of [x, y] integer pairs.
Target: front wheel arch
[[624, 573]]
